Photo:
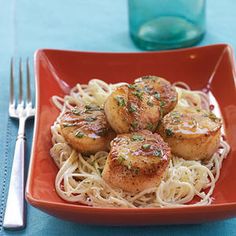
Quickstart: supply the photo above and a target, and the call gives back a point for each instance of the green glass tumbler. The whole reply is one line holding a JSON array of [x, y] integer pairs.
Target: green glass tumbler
[[166, 24]]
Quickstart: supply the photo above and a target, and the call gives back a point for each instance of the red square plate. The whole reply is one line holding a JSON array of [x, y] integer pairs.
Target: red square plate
[[58, 71]]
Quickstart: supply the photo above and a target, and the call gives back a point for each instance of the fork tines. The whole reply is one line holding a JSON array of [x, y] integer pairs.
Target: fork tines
[[21, 102]]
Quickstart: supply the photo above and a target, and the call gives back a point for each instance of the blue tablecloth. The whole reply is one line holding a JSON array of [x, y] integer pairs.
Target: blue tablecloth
[[89, 26]]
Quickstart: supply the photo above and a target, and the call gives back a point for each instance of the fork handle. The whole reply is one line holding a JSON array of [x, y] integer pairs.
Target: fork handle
[[14, 214]]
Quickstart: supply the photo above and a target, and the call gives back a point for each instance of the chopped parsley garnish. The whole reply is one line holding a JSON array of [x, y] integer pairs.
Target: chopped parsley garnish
[[162, 103], [169, 132], [158, 153], [136, 170], [76, 111], [134, 124], [131, 86], [176, 117], [88, 107], [176, 120], [198, 110], [138, 94], [120, 159], [90, 119], [157, 95], [150, 126], [92, 107], [137, 137], [146, 146], [132, 108], [120, 101], [79, 134], [213, 117], [149, 103], [147, 89]]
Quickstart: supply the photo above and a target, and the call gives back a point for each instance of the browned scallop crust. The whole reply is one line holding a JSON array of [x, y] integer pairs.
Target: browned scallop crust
[[131, 109], [164, 93], [136, 161], [191, 133], [86, 129]]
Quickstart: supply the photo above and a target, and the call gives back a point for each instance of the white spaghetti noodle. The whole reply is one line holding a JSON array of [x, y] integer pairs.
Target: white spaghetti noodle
[[79, 178]]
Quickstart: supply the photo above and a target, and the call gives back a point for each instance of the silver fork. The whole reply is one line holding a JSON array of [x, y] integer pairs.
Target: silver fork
[[14, 217]]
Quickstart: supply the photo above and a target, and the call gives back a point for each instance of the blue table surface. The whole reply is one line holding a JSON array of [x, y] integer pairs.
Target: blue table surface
[[88, 26]]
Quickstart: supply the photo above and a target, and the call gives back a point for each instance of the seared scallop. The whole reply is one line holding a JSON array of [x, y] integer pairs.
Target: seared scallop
[[136, 161], [192, 133], [164, 93], [86, 129], [131, 109]]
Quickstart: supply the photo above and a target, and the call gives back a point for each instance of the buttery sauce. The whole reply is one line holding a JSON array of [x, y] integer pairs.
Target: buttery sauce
[[191, 121]]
